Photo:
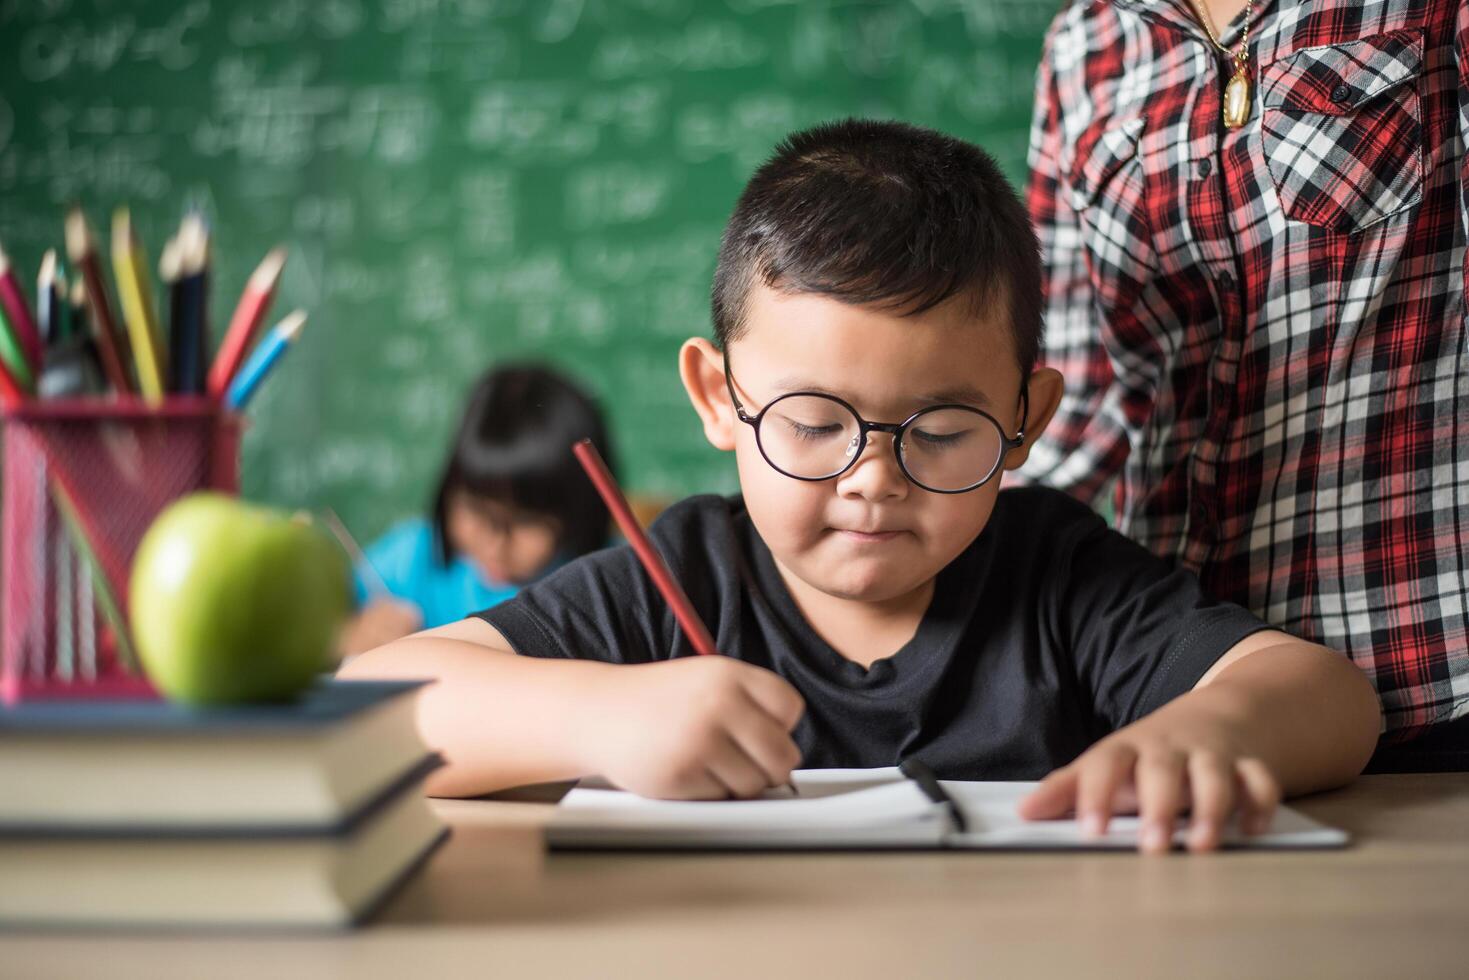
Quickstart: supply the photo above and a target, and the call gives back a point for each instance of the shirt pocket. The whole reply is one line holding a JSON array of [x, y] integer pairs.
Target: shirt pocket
[[1343, 131], [1106, 188], [1102, 153]]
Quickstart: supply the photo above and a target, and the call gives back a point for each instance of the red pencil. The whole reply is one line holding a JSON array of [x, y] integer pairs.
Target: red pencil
[[249, 314], [19, 314], [82, 250], [673, 593], [11, 394]]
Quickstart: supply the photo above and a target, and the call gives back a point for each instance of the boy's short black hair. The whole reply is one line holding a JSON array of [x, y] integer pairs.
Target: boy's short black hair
[[882, 213], [514, 446]]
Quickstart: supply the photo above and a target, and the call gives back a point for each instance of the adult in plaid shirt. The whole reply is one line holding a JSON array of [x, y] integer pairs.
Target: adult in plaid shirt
[[1263, 328]]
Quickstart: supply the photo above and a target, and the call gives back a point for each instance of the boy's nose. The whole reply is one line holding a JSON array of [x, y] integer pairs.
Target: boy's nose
[[875, 475]]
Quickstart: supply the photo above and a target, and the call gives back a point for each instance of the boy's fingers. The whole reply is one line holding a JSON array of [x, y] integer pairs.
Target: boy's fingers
[[1211, 783], [694, 785], [1159, 780], [767, 744], [734, 768], [1054, 798], [774, 695], [1101, 773], [1260, 796]]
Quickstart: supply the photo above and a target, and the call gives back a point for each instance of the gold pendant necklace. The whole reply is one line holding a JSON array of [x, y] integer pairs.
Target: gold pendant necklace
[[1237, 92], [1237, 97]]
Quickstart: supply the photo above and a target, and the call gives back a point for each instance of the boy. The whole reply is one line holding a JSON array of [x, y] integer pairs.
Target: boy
[[876, 311]]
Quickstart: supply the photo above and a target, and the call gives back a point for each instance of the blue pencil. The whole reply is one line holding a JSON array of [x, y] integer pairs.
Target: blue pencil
[[272, 346]]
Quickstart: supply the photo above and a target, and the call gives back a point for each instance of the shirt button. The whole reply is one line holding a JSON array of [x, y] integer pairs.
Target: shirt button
[[1226, 282], [1204, 168], [1342, 93]]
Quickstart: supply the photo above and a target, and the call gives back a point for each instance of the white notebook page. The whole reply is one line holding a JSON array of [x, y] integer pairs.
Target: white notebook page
[[853, 807]]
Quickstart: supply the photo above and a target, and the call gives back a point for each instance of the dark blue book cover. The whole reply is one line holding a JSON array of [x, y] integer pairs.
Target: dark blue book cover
[[328, 702], [406, 782]]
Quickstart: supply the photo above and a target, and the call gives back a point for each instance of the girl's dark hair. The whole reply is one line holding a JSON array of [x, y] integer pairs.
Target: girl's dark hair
[[514, 446], [882, 213]]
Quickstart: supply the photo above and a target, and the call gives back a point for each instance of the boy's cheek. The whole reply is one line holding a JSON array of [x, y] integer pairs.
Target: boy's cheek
[[789, 514]]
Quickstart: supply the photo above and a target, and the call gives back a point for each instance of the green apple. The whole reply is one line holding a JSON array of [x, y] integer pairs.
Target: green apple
[[231, 602]]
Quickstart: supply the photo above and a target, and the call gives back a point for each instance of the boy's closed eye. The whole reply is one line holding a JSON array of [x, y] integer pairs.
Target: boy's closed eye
[[941, 440], [814, 432]]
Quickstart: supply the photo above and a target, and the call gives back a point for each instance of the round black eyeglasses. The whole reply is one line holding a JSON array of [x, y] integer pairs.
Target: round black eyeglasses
[[812, 436]]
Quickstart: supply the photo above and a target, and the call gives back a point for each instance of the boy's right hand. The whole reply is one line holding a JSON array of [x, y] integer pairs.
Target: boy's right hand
[[695, 728]]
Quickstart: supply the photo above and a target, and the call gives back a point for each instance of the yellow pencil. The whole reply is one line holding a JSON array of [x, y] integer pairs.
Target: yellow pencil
[[136, 291]]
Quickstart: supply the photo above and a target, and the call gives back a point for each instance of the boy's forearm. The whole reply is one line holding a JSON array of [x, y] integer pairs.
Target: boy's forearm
[[498, 719], [1306, 711]]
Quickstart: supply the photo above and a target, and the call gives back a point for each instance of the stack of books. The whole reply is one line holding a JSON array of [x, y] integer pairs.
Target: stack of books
[[149, 813]]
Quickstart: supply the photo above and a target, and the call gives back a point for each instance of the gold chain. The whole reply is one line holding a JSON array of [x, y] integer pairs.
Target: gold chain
[[1243, 54]]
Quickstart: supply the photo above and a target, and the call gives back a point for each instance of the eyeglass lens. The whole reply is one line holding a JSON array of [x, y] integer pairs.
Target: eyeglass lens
[[813, 437]]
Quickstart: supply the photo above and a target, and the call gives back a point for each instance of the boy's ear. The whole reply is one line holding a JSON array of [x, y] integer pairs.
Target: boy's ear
[[1044, 389], [701, 366]]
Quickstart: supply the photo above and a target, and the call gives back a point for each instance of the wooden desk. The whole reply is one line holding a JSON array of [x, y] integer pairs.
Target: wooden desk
[[492, 904]]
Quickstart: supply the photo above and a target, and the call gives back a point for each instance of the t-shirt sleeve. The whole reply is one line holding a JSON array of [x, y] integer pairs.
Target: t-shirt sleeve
[[1140, 632], [601, 607]]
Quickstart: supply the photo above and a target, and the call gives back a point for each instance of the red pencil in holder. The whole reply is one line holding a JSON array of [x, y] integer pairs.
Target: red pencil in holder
[[245, 324], [12, 300], [12, 395], [81, 249], [83, 481]]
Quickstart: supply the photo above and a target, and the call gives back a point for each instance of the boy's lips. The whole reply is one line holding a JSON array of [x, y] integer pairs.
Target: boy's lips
[[875, 534]]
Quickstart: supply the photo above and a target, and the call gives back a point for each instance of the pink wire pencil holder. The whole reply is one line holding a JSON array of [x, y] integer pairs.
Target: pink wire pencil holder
[[83, 479]]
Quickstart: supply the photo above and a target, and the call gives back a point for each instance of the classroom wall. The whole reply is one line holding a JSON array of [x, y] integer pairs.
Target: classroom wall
[[460, 182]]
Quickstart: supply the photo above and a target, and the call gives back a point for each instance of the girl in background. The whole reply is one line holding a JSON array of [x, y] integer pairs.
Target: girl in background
[[512, 504]]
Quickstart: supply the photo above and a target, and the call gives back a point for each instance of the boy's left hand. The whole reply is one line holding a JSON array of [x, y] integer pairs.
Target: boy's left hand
[[1159, 771]]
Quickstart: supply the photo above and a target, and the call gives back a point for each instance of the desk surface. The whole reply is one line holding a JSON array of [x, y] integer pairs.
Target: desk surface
[[492, 903]]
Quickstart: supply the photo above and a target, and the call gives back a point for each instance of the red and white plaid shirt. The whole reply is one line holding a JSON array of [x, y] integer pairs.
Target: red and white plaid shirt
[[1263, 330]]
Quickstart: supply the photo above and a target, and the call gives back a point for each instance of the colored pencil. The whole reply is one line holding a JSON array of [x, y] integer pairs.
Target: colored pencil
[[168, 277], [13, 361], [81, 250], [65, 581], [14, 356], [50, 302], [135, 290], [78, 307], [86, 615], [673, 593], [249, 314], [189, 306], [377, 585], [272, 348], [71, 363], [43, 606], [12, 395], [97, 576], [13, 302]]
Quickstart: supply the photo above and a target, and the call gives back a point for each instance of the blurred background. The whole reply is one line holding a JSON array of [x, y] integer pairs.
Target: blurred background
[[461, 182]]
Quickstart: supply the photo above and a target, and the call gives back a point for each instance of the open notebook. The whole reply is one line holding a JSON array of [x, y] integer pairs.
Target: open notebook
[[862, 809]]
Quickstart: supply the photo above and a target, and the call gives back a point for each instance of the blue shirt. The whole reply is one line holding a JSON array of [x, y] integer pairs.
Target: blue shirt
[[405, 558]]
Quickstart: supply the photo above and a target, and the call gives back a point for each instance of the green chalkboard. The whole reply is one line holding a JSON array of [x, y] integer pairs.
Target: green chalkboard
[[461, 181]]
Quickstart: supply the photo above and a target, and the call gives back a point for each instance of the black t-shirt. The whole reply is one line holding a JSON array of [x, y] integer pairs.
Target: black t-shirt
[[1048, 632]]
